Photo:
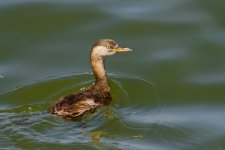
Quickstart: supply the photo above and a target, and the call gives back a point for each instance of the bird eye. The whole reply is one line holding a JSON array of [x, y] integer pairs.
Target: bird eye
[[108, 46]]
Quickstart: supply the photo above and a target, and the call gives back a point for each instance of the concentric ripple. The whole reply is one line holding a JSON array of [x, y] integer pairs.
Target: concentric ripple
[[24, 119]]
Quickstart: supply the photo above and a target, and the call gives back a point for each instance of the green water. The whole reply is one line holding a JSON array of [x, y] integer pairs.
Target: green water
[[168, 94]]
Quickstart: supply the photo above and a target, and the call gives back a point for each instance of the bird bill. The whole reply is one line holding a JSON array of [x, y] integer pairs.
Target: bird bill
[[119, 49]]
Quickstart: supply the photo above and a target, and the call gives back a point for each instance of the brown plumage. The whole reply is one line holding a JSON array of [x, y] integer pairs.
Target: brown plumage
[[76, 105]]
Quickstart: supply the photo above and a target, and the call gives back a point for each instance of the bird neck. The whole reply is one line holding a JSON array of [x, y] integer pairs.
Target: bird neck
[[97, 63]]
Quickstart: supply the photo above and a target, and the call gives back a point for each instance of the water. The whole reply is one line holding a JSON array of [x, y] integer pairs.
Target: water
[[167, 94]]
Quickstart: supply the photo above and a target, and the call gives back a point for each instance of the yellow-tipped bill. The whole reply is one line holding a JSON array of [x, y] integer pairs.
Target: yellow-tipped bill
[[119, 49]]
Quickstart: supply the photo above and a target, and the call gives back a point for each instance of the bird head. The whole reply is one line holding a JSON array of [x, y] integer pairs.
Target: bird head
[[106, 47]]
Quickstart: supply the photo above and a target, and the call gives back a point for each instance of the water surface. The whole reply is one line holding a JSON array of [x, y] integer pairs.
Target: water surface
[[167, 94]]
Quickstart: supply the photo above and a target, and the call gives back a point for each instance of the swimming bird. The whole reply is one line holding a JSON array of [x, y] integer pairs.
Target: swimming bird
[[76, 105]]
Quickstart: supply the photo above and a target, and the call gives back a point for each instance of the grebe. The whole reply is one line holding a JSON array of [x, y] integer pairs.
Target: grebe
[[76, 105]]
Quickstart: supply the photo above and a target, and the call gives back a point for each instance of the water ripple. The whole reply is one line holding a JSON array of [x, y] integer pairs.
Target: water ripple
[[29, 121], [212, 78]]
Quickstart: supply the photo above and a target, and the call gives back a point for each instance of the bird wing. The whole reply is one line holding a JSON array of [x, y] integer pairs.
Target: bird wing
[[78, 108]]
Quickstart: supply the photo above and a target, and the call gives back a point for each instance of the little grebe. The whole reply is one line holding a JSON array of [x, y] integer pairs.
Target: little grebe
[[76, 105]]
